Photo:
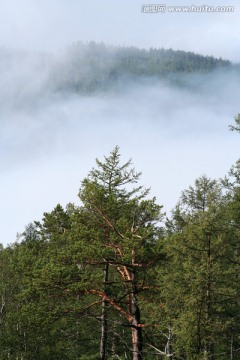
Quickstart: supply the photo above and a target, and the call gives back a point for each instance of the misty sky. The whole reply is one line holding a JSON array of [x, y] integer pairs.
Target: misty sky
[[48, 143], [54, 24]]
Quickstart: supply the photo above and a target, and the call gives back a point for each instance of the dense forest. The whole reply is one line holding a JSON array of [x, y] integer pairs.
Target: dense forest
[[114, 278], [90, 67], [85, 68]]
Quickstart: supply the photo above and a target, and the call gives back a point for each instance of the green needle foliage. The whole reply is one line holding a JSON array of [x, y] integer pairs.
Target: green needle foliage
[[109, 280]]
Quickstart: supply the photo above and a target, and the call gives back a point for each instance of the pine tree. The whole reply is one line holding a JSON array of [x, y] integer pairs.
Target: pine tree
[[199, 248], [126, 231]]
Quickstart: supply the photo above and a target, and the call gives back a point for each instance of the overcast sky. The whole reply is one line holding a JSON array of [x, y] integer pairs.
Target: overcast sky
[[48, 146], [54, 24]]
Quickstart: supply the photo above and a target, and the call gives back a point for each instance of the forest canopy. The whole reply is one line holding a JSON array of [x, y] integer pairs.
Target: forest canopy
[[84, 68], [114, 278]]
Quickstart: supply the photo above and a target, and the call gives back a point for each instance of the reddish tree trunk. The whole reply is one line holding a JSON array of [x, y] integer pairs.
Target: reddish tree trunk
[[136, 328]]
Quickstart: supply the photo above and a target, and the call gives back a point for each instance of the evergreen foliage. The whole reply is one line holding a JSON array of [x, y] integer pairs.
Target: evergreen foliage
[[113, 279], [95, 66]]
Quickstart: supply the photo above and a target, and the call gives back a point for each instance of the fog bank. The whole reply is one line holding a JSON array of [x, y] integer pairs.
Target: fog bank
[[174, 131]]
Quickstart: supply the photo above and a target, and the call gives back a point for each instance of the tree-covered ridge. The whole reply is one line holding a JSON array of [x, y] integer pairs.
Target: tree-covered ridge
[[114, 278], [145, 62], [87, 67]]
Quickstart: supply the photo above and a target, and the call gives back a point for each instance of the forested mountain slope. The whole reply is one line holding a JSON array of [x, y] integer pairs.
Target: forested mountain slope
[[114, 279], [88, 67], [85, 68]]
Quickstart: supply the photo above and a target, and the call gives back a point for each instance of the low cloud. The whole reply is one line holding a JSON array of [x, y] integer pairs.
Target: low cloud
[[173, 130]]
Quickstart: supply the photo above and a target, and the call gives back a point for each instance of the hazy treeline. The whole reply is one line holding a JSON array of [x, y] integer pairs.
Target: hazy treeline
[[85, 68], [114, 278], [89, 67]]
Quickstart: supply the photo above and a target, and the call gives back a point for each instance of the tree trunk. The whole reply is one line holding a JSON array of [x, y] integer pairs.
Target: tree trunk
[[208, 350], [103, 342], [136, 340], [113, 345], [231, 356], [168, 348], [136, 329]]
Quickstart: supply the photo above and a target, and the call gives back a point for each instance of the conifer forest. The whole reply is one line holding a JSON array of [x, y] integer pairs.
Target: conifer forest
[[112, 275]]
